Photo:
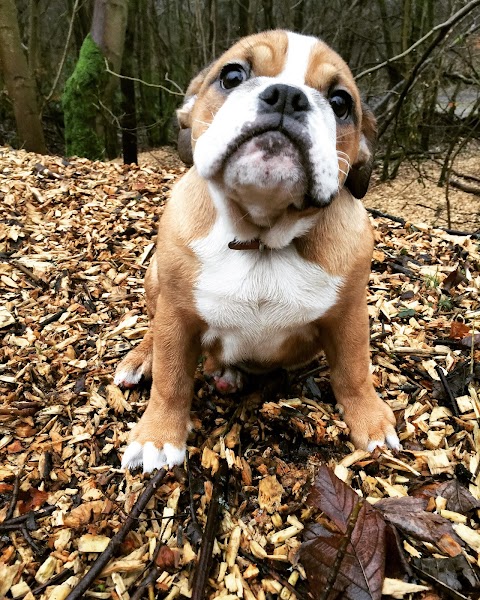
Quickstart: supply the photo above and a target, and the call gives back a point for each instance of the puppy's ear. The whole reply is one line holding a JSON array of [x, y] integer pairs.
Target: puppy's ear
[[359, 174], [184, 118]]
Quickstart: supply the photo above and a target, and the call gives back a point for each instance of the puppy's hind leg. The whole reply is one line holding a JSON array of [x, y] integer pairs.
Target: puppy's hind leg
[[136, 364]]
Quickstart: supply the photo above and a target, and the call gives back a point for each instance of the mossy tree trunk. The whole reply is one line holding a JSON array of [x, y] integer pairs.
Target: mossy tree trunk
[[80, 103], [19, 82], [89, 95]]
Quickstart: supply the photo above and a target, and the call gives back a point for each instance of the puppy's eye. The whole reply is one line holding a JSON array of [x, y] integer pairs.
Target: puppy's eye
[[341, 102], [232, 76]]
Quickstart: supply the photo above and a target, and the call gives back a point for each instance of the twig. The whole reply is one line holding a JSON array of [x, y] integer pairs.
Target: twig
[[16, 522], [211, 528], [448, 391], [193, 515], [58, 578], [38, 550], [30, 274], [13, 501], [51, 318], [154, 85], [103, 558], [379, 213], [272, 573], [149, 580]]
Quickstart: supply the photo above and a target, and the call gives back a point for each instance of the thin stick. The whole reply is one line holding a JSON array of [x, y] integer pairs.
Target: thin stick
[[58, 578], [103, 558], [448, 391], [211, 528], [274, 575], [13, 501], [16, 522], [148, 84]]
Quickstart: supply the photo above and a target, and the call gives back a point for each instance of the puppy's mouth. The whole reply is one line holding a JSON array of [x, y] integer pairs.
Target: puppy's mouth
[[269, 155], [276, 133]]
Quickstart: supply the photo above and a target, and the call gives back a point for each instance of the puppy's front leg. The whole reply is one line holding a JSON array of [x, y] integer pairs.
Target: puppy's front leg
[[159, 437], [347, 346]]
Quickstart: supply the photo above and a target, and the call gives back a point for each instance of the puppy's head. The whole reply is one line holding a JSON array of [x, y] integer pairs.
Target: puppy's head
[[277, 122]]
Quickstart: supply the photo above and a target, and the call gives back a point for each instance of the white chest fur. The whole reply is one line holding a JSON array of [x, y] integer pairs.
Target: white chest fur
[[252, 300]]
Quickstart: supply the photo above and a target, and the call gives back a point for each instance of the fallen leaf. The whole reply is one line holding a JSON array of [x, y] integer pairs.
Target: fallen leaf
[[351, 562], [471, 339], [458, 330], [454, 573], [165, 559], [453, 279], [458, 498], [409, 515], [31, 499]]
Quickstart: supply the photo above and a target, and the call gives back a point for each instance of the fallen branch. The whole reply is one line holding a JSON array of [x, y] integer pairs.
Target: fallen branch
[[469, 189], [379, 214], [465, 176], [211, 528], [103, 558]]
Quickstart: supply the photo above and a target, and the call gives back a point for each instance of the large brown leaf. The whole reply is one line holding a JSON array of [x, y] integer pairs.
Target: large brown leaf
[[350, 563], [408, 514]]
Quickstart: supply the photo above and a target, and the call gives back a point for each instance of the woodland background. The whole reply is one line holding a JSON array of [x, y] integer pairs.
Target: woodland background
[[417, 63]]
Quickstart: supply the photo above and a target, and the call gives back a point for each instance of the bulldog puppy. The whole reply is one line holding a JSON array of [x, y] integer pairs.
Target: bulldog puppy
[[264, 250]]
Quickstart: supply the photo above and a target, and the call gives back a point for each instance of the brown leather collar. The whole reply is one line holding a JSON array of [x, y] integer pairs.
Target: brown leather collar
[[249, 245]]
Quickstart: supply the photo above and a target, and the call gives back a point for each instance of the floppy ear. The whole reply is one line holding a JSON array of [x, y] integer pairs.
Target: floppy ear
[[184, 118], [359, 174]]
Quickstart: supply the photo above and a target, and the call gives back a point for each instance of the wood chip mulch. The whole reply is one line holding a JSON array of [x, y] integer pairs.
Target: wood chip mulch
[[75, 241]]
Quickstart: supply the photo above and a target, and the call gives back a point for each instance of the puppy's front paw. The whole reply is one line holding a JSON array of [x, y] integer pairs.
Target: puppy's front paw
[[372, 424], [151, 457]]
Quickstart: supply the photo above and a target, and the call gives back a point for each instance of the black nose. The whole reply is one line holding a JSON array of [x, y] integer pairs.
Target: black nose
[[284, 99]]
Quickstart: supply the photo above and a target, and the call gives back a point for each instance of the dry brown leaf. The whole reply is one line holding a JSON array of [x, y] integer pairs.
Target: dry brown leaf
[[351, 562]]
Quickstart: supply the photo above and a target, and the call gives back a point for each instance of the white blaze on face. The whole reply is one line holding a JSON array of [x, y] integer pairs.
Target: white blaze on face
[[241, 110]]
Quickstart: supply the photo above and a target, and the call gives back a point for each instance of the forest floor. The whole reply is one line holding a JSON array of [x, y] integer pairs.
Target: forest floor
[[266, 492]]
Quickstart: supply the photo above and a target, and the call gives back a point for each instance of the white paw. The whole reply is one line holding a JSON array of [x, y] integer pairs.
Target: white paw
[[128, 377], [391, 440], [151, 457]]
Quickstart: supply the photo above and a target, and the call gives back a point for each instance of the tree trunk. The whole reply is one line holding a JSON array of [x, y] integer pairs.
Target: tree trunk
[[129, 118], [88, 131], [244, 18], [109, 24], [33, 37], [19, 82], [80, 103]]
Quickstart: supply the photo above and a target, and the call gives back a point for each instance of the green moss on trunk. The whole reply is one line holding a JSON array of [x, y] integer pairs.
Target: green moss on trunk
[[80, 103]]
